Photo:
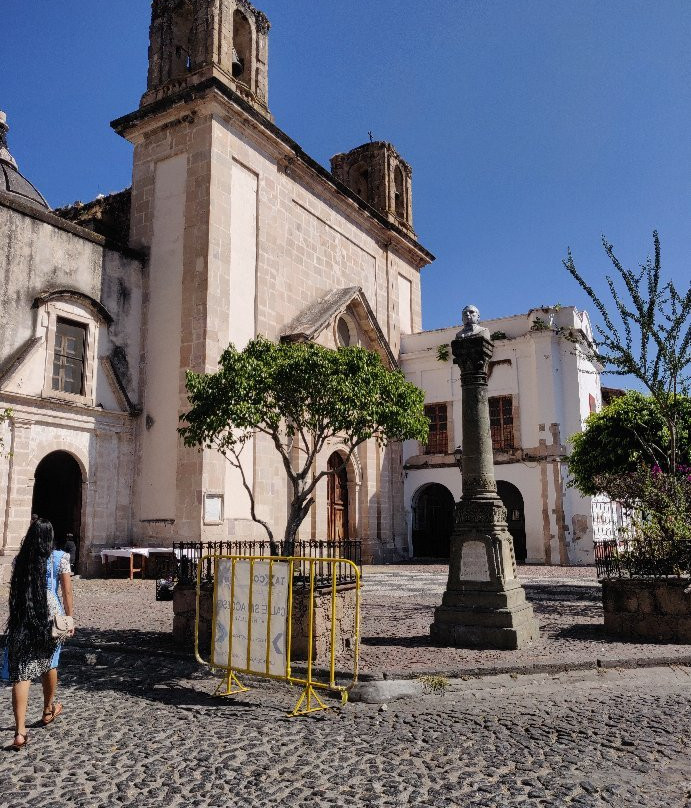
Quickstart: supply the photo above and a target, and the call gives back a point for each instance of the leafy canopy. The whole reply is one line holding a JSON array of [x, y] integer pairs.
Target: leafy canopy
[[304, 390], [623, 436], [300, 395]]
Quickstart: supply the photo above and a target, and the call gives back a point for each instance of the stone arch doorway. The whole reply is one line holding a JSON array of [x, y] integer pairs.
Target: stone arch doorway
[[58, 495], [515, 515], [433, 509], [337, 499]]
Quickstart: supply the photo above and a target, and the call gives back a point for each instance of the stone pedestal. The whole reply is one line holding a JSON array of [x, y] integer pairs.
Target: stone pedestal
[[484, 604]]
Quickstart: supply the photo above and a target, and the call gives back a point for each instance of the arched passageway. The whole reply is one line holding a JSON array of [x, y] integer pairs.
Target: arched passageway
[[337, 499], [58, 495], [515, 514], [433, 508]]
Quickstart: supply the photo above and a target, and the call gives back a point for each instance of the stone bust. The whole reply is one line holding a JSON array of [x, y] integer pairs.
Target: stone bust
[[471, 318]]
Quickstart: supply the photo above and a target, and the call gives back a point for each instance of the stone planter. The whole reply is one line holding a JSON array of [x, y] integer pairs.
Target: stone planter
[[648, 609], [184, 609], [345, 623]]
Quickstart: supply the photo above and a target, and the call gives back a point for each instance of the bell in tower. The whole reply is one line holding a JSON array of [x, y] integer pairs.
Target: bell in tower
[[194, 40], [238, 65]]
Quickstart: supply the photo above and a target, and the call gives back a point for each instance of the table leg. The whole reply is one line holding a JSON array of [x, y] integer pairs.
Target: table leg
[[131, 566]]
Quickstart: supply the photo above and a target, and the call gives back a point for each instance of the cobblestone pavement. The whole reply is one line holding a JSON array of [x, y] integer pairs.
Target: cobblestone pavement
[[148, 734], [398, 607]]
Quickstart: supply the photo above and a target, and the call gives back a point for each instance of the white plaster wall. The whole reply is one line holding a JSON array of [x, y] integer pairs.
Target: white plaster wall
[[159, 452], [405, 303], [551, 383]]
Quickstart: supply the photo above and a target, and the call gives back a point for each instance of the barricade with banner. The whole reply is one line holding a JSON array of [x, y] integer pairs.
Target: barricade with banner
[[254, 615]]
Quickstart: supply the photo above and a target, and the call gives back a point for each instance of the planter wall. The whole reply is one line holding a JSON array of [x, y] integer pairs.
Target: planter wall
[[648, 609]]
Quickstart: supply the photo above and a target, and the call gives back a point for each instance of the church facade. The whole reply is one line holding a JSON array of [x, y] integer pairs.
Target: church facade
[[229, 230]]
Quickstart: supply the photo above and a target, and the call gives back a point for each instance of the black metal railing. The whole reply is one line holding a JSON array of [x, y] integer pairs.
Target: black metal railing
[[189, 554], [642, 558]]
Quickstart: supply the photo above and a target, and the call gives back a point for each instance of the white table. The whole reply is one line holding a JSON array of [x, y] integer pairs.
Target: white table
[[130, 552]]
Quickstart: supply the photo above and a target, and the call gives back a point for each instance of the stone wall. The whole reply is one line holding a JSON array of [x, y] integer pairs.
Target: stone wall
[[658, 610], [345, 624], [184, 610]]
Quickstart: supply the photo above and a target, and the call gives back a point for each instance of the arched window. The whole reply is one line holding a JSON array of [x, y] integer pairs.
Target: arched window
[[359, 180], [399, 192], [242, 47], [343, 332], [181, 58]]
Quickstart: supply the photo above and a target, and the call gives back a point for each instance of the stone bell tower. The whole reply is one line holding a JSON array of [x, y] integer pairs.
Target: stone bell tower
[[193, 40], [206, 90], [377, 173]]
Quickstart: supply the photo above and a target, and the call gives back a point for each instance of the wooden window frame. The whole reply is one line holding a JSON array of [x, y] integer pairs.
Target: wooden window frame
[[55, 311], [438, 441], [501, 423]]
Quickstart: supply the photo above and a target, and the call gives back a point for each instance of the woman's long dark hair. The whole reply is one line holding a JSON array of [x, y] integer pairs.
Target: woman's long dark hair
[[27, 623]]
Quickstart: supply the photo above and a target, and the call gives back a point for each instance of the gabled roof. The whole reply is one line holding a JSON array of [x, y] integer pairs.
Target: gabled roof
[[319, 315], [15, 359]]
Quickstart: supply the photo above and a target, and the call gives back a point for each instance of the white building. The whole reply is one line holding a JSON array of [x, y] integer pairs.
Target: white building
[[541, 389]]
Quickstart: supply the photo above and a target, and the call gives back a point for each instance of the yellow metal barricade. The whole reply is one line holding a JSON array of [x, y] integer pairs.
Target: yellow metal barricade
[[252, 614]]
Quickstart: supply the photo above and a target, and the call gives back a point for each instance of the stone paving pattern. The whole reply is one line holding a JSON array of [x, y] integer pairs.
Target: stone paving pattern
[[398, 607], [145, 731], [147, 735]]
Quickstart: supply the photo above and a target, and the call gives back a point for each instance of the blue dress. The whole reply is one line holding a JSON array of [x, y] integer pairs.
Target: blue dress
[[23, 669]]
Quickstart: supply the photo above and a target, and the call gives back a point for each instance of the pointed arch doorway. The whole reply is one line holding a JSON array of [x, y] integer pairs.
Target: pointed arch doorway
[[57, 495], [337, 499]]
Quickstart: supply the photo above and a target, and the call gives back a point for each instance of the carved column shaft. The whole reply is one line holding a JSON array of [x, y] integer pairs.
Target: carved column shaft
[[472, 355]]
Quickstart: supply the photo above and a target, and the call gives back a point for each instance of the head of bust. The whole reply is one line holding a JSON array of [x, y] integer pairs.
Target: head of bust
[[471, 326], [471, 316]]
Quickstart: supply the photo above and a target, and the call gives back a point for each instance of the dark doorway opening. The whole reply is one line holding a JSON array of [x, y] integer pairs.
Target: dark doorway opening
[[515, 515], [58, 495], [433, 522], [337, 498]]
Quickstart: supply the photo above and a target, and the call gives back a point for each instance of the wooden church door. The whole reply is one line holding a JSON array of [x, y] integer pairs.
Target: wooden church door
[[337, 498]]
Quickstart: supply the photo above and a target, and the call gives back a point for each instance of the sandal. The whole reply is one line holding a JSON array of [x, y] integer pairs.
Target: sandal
[[51, 714], [25, 740]]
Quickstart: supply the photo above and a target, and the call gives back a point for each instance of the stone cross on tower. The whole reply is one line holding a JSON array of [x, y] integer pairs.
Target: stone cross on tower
[[484, 605]]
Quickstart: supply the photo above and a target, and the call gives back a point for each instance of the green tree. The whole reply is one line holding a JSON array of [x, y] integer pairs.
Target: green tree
[[300, 395], [646, 335], [628, 433]]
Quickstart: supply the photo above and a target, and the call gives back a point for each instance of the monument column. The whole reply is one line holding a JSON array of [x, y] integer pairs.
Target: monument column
[[484, 604]]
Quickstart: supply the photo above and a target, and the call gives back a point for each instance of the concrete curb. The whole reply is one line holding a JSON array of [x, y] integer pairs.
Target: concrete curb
[[407, 684]]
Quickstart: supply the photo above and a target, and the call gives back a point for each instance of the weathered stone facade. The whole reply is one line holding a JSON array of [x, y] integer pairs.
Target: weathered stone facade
[[233, 231]]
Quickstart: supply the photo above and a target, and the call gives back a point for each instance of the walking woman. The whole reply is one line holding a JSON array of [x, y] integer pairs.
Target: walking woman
[[31, 650]]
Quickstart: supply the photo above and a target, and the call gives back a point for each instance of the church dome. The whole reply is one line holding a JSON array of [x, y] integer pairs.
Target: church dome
[[11, 181]]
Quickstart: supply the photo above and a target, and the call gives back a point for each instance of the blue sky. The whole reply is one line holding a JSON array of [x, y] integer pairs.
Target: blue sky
[[530, 125]]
